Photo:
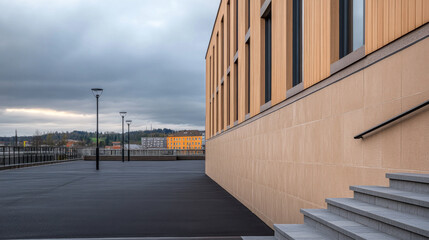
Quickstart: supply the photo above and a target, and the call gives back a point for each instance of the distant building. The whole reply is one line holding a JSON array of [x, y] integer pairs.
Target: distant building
[[70, 143], [133, 146], [154, 142], [115, 146], [185, 140]]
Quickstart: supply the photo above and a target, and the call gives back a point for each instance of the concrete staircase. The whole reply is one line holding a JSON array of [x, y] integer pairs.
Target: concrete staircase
[[400, 211]]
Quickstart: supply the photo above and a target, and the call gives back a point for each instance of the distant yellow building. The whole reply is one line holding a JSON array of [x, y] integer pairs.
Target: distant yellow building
[[185, 140]]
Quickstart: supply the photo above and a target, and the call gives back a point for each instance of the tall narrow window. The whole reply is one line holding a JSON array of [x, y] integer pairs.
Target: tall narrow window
[[268, 57], [248, 14], [358, 24], [210, 94], [236, 25], [217, 60], [297, 42], [228, 100], [248, 77], [228, 34], [351, 26], [213, 90], [222, 108], [214, 116], [222, 53], [217, 111], [236, 91]]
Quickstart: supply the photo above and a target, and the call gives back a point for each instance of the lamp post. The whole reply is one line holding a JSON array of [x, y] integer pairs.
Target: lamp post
[[97, 93], [123, 151], [129, 123]]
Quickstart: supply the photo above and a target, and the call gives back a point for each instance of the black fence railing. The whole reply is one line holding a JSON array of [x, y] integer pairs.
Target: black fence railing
[[15, 156], [146, 152]]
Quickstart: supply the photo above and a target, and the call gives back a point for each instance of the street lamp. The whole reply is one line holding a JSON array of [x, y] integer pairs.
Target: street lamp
[[129, 123], [123, 151], [97, 93]]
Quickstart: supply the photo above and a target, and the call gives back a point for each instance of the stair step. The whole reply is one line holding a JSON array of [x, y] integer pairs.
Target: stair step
[[410, 177], [344, 226], [258, 238], [419, 199], [297, 231], [400, 221], [410, 182], [403, 201]]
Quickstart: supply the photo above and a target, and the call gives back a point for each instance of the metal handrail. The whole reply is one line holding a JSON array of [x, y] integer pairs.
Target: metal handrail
[[360, 136]]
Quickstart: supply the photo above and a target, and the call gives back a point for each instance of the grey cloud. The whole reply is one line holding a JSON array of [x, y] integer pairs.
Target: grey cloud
[[147, 55]]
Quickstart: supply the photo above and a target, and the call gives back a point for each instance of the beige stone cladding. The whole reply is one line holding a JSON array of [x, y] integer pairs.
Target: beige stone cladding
[[299, 155]]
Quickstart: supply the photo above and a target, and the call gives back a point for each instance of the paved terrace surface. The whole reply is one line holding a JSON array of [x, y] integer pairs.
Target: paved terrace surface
[[131, 199]]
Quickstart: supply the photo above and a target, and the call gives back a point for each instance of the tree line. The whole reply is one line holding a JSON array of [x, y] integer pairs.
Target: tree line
[[84, 138]]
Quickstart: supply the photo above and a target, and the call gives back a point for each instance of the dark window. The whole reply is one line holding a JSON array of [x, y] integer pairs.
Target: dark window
[[268, 58], [213, 72], [351, 26], [228, 102], [212, 118], [222, 52], [236, 91], [236, 25], [210, 95], [228, 34], [248, 14], [217, 59], [248, 78], [217, 111], [222, 112], [297, 42], [345, 27]]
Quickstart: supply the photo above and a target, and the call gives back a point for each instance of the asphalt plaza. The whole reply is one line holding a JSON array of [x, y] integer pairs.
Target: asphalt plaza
[[131, 199]]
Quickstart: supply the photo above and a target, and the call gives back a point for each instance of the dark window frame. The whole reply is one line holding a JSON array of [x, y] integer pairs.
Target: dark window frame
[[236, 91], [248, 14], [228, 100], [228, 34], [248, 83], [297, 42], [346, 27], [268, 56], [236, 25], [222, 48], [222, 105]]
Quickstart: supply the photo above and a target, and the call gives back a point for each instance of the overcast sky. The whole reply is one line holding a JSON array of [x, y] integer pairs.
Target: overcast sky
[[147, 55]]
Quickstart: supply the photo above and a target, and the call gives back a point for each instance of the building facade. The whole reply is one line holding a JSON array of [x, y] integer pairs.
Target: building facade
[[115, 146], [186, 140], [154, 142], [290, 83]]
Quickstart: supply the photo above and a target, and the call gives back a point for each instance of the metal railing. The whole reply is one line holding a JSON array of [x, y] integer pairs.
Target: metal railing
[[148, 152], [16, 156], [383, 124]]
